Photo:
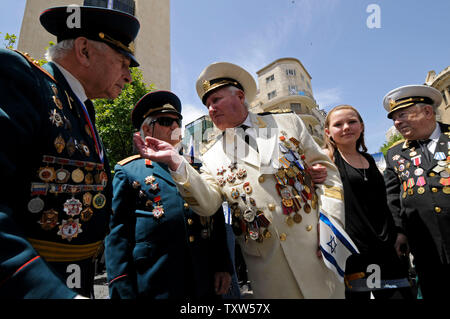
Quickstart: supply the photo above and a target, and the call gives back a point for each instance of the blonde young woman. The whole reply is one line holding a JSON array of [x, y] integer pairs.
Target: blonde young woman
[[367, 218]]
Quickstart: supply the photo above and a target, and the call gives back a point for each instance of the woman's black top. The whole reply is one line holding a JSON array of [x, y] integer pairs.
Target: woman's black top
[[368, 220]]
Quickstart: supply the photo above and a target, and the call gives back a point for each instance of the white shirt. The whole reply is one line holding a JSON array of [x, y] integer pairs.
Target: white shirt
[[74, 84], [434, 137]]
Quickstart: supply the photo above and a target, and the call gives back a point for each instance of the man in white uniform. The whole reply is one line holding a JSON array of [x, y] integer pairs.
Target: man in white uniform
[[263, 174]]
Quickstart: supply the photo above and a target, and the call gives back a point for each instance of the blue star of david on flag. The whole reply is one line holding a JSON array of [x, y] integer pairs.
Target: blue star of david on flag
[[332, 243], [335, 245]]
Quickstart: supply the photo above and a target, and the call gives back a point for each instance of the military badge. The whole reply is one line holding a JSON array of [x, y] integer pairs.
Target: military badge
[[56, 118], [73, 207], [49, 219], [86, 214], [89, 179], [247, 188], [234, 193], [150, 180], [62, 176], [71, 147], [249, 215], [59, 143], [57, 102], [99, 201], [87, 199], [158, 212], [70, 229], [47, 174], [35, 205], [136, 185]]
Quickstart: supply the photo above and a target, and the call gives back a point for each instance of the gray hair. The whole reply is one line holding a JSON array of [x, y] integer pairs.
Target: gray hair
[[233, 90], [425, 104], [146, 121], [61, 49]]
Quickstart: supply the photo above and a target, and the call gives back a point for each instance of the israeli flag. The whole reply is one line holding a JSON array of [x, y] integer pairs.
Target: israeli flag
[[191, 149], [335, 245]]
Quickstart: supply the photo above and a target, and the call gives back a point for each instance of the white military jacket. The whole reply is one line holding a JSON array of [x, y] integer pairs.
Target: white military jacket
[[275, 210]]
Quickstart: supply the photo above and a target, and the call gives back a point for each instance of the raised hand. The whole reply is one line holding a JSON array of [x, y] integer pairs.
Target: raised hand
[[158, 151]]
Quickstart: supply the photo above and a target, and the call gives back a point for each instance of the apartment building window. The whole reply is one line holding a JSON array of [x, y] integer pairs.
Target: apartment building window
[[303, 77], [270, 78], [272, 94], [293, 89], [296, 108], [127, 6], [290, 72]]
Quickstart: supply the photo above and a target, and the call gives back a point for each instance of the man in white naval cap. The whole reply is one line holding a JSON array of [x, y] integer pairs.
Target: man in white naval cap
[[263, 174], [418, 184]]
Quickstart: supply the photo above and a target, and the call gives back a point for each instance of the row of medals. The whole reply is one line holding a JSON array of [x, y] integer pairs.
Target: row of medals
[[87, 177], [155, 205], [294, 186], [442, 168]]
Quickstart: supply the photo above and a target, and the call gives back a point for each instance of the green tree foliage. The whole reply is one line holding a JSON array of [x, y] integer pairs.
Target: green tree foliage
[[9, 41], [113, 118], [388, 144]]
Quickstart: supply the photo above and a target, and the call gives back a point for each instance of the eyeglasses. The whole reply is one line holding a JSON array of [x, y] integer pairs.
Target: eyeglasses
[[166, 121]]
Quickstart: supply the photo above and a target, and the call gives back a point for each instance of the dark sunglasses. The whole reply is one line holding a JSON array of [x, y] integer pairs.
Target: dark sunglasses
[[166, 121]]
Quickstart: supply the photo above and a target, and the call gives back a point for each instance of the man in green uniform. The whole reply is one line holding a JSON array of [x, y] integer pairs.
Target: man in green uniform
[[158, 247], [56, 190]]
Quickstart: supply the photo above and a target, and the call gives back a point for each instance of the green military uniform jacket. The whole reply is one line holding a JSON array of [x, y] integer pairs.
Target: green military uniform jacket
[[158, 247], [54, 207]]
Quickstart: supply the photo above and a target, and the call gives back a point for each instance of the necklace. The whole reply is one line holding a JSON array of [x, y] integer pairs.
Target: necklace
[[363, 169]]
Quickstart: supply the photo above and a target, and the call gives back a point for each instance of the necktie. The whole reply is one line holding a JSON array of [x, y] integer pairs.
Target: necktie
[[249, 139], [423, 146]]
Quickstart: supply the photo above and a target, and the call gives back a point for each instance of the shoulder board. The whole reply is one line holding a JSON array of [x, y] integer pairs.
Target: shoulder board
[[35, 64], [275, 112], [396, 143], [128, 160]]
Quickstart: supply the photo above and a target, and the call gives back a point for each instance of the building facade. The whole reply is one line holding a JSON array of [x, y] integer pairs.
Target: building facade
[[441, 82], [285, 85], [152, 43]]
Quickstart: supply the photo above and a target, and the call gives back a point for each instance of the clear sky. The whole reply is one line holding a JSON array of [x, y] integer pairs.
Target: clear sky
[[349, 62]]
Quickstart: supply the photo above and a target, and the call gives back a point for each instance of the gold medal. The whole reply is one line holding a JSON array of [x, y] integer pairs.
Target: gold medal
[[267, 234], [289, 221], [420, 190], [446, 189], [297, 218], [307, 208], [404, 195], [77, 175], [99, 201], [410, 191]]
